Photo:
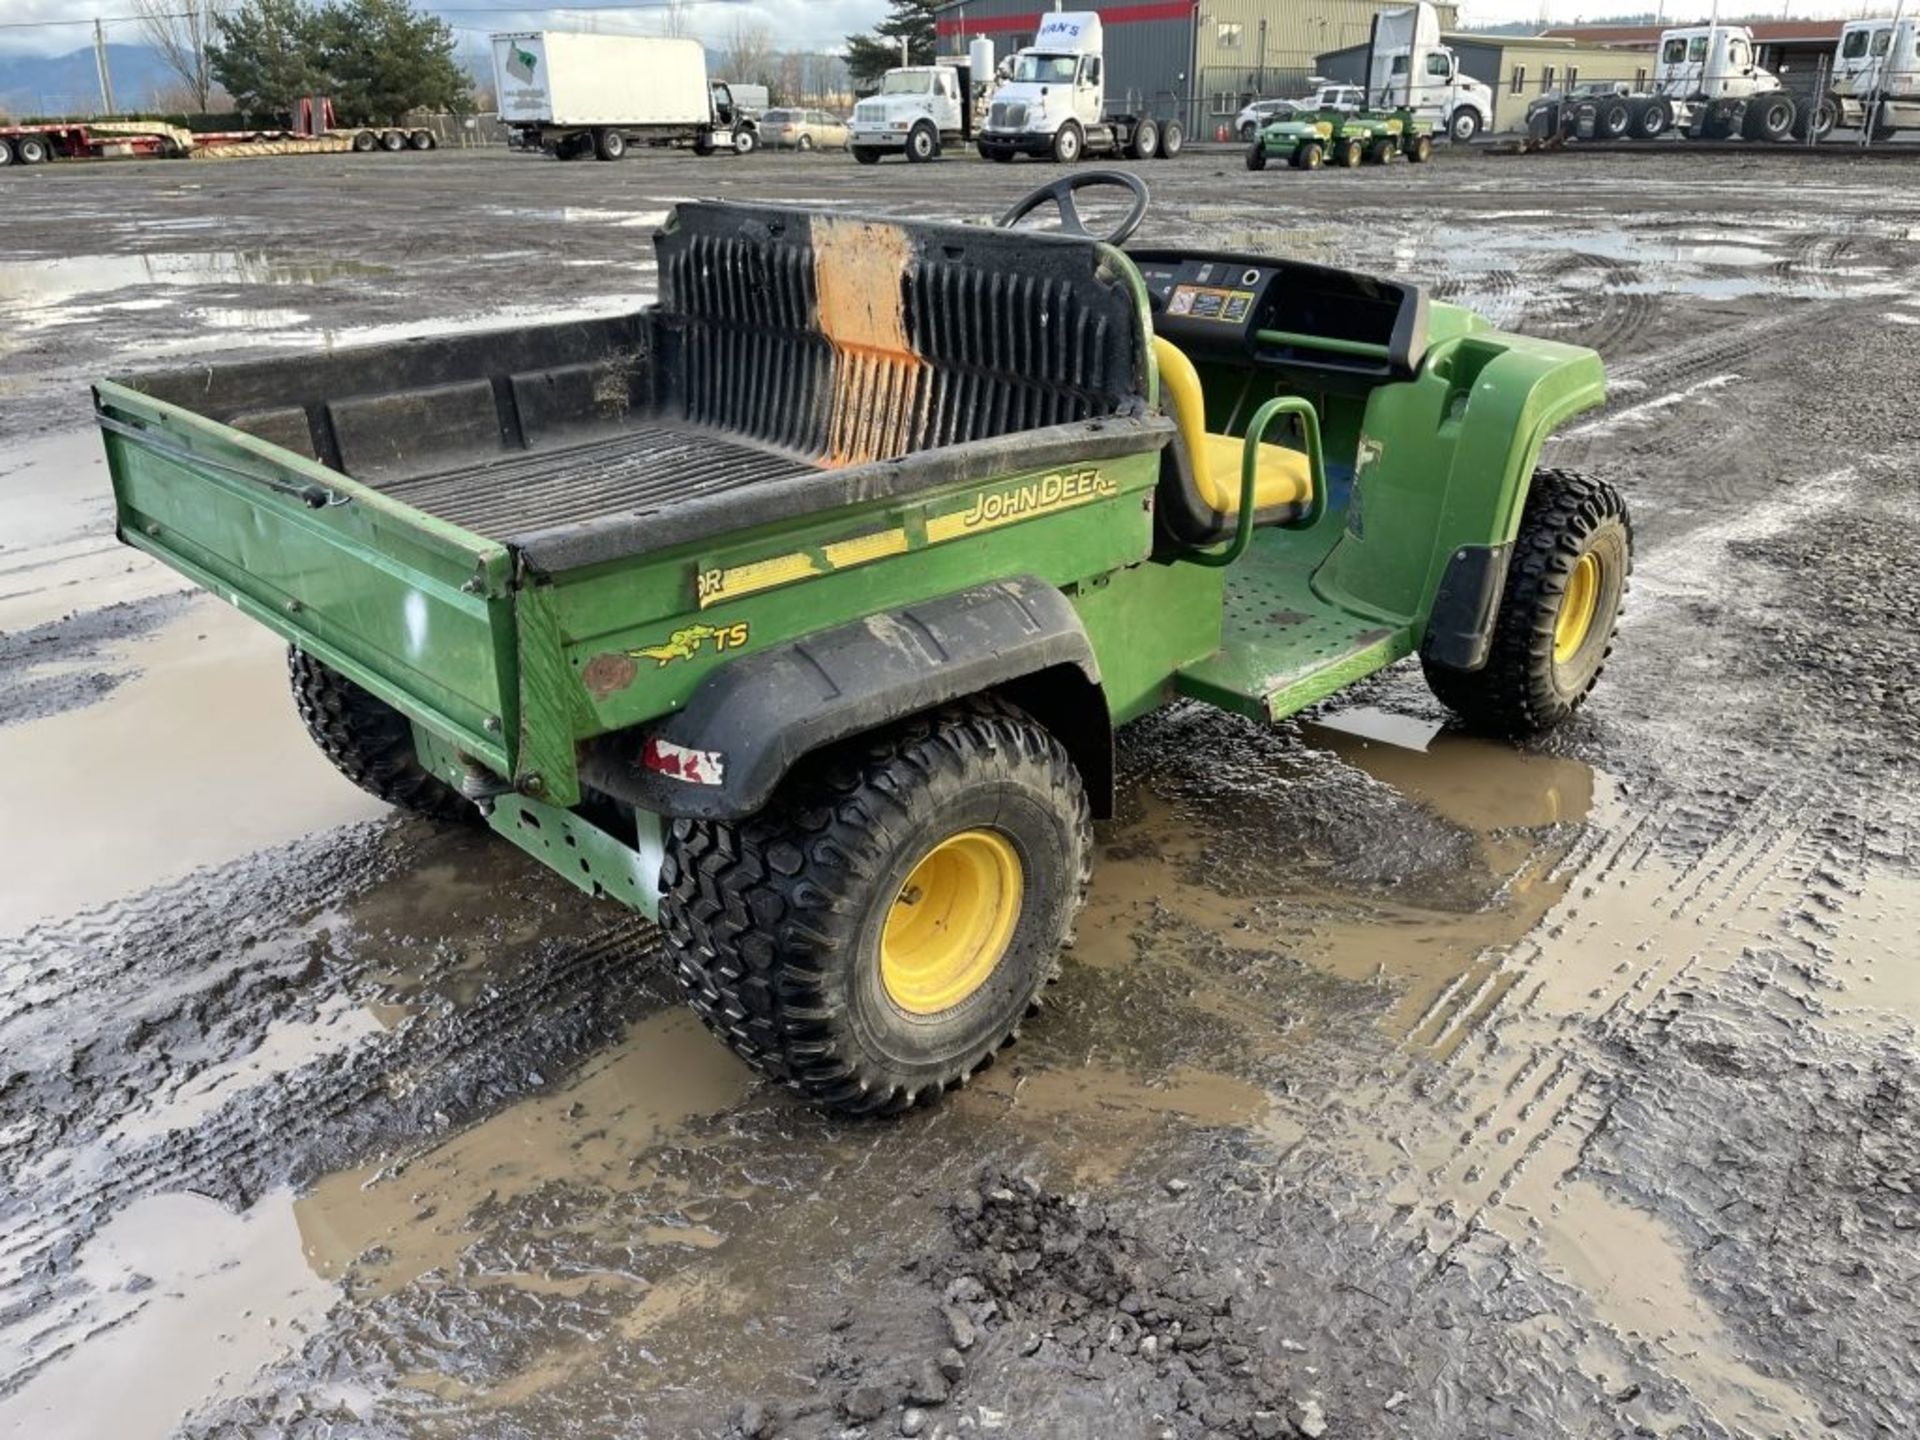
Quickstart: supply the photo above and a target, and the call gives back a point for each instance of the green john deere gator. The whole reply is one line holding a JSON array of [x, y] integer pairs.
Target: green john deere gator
[[1338, 137], [799, 609]]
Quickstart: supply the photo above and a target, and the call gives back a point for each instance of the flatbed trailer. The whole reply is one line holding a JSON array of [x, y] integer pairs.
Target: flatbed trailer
[[155, 140]]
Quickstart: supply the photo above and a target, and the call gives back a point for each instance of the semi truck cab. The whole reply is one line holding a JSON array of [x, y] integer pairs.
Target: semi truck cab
[[1053, 103], [1710, 62], [1408, 68]]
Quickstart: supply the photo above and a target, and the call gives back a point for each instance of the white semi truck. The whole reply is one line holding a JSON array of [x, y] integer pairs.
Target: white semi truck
[[920, 109], [575, 95], [1706, 85], [1408, 68], [1053, 103], [1876, 73]]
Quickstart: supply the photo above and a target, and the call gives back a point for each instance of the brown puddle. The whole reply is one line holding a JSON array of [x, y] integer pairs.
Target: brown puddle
[[116, 795], [388, 1225], [218, 1296]]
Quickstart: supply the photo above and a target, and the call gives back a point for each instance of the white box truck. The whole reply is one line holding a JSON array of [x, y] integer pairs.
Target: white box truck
[[574, 95]]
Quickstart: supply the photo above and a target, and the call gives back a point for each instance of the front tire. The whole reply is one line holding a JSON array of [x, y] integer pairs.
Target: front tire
[[879, 931], [923, 143], [1555, 626], [1420, 150], [1256, 156], [1067, 143], [1349, 153], [369, 741], [1310, 156], [865, 155], [745, 141], [1464, 126]]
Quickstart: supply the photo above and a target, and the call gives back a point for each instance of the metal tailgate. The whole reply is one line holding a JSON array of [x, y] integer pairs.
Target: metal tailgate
[[416, 610]]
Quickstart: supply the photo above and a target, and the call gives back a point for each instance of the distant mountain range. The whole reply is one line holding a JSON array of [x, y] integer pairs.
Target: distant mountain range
[[57, 84]]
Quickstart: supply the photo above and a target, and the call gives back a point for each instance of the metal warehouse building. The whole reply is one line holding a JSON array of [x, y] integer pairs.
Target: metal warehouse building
[[1198, 59]]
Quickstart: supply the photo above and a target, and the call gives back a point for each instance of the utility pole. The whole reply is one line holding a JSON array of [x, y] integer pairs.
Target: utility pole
[[100, 59]]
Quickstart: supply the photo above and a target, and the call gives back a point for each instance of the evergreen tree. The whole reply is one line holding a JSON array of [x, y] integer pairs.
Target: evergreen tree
[[382, 59], [871, 56], [265, 54]]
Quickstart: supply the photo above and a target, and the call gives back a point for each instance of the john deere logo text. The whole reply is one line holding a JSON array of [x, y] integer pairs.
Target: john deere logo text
[[1051, 492]]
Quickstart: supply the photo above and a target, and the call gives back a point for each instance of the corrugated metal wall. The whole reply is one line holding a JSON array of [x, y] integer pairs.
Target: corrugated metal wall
[[1148, 44]]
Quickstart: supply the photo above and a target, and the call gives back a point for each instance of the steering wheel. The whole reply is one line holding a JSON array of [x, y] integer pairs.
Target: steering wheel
[[1061, 193]]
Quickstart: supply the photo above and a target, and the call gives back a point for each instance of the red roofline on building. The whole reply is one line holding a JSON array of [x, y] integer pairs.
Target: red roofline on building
[[1767, 32], [1109, 15]]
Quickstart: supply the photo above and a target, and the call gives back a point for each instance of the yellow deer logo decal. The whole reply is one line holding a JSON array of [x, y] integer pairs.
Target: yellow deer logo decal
[[687, 642]]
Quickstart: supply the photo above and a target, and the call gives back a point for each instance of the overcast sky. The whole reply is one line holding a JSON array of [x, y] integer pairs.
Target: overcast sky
[[805, 24], [796, 24]]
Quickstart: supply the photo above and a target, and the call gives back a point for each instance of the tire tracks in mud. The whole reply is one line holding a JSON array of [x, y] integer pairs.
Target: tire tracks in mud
[[172, 962]]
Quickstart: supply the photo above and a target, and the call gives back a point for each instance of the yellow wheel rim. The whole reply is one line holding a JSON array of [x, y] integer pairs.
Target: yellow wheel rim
[[951, 922], [1577, 608]]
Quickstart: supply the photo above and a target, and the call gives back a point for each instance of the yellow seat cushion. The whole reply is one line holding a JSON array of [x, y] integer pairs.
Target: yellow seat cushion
[[1282, 476]]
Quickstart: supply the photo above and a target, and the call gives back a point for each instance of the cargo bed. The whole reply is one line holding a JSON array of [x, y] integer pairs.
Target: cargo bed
[[480, 528]]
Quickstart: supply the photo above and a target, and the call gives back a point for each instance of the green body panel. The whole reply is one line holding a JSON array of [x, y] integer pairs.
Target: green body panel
[[414, 609], [589, 857], [821, 574], [1145, 622]]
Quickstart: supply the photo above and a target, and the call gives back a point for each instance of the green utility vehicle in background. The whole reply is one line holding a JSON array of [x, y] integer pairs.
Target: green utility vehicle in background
[[800, 608], [1339, 137]]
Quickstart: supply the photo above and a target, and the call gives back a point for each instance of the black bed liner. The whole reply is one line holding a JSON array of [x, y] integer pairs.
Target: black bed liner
[[635, 472]]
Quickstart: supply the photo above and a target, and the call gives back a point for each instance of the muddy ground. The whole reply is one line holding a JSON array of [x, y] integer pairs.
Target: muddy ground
[[1402, 1084]]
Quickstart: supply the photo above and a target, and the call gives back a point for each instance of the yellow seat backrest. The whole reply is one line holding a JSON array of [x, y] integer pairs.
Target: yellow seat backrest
[[1284, 476]]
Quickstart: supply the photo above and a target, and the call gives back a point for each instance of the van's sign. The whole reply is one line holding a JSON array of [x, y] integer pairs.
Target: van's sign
[[1069, 30]]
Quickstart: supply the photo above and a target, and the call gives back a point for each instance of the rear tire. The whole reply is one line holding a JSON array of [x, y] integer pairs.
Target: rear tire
[[369, 741], [1146, 141], [1173, 139], [422, 140], [805, 142], [609, 144], [365, 141], [6, 152], [32, 149], [1652, 119], [392, 141], [1542, 663], [1613, 121], [793, 931]]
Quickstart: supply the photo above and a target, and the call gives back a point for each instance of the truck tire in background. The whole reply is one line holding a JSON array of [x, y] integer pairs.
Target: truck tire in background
[[1555, 624], [1649, 119], [1464, 125], [1068, 143], [1173, 139], [32, 149], [1817, 121], [865, 154], [609, 144], [745, 140], [876, 933], [369, 741], [1769, 117], [1613, 121], [365, 140], [1145, 143], [392, 141], [923, 144], [1721, 122], [703, 143], [6, 151], [1882, 127], [423, 140]]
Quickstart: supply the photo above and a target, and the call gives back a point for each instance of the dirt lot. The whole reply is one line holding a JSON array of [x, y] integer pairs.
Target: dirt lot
[[1402, 1084]]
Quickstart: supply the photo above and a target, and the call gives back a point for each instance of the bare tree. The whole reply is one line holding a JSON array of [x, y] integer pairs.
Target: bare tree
[[181, 30], [749, 53], [676, 18]]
